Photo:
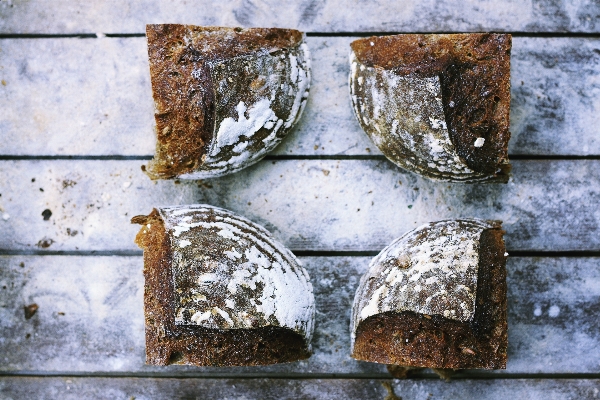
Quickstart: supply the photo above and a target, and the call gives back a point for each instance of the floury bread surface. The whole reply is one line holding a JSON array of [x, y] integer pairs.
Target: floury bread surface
[[221, 291], [437, 105], [435, 297], [224, 97]]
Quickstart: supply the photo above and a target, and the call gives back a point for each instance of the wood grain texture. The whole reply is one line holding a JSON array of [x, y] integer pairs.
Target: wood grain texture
[[112, 16], [162, 388], [64, 96], [347, 205], [90, 317], [68, 96]]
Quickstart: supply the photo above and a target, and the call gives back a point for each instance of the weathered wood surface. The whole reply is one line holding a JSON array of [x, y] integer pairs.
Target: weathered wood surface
[[90, 317], [113, 16], [331, 205], [163, 388], [67, 96]]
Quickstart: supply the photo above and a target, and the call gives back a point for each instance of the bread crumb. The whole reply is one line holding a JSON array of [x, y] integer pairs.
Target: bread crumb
[[391, 395], [30, 310]]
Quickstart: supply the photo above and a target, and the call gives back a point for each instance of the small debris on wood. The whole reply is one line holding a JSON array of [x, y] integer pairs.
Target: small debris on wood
[[68, 183], [444, 373], [391, 395], [204, 184], [46, 214], [45, 243], [30, 310]]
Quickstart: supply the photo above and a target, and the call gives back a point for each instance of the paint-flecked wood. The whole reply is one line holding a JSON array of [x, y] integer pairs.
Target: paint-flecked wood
[[90, 317], [67, 96], [112, 16], [333, 205], [163, 388]]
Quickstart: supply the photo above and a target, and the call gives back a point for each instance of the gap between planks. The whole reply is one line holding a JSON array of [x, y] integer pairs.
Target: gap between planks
[[460, 375], [299, 253], [310, 34], [286, 157]]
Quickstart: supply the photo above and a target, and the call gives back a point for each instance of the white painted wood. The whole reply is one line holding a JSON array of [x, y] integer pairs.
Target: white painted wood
[[555, 90], [276, 389], [68, 96], [334, 205], [71, 96], [113, 16], [76, 96], [551, 301]]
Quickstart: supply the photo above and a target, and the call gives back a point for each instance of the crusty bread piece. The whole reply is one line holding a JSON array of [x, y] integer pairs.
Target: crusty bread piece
[[435, 298], [224, 97], [220, 291], [436, 104]]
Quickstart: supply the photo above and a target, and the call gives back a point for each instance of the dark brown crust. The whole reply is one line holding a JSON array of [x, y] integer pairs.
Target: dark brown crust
[[184, 104], [182, 86], [415, 340], [167, 343], [474, 72]]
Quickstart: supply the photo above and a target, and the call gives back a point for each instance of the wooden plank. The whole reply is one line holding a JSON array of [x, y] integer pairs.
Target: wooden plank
[[90, 317], [92, 97], [331, 205], [112, 16], [162, 388], [74, 96]]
